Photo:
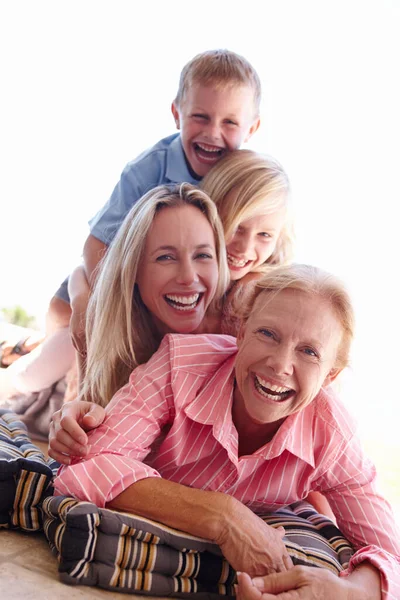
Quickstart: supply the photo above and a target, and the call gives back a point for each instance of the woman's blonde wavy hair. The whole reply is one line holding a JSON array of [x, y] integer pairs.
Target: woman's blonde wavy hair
[[119, 329], [259, 185]]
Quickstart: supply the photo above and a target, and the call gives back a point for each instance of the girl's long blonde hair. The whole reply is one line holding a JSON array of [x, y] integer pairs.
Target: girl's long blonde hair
[[245, 183], [119, 329]]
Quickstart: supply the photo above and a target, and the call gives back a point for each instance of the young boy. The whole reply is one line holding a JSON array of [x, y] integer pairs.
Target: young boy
[[216, 110]]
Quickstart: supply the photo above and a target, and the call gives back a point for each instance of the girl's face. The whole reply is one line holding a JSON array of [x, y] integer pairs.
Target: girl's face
[[178, 274], [253, 242]]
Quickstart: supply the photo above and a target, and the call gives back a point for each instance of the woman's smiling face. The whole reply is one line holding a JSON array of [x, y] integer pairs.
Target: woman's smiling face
[[287, 352], [178, 274]]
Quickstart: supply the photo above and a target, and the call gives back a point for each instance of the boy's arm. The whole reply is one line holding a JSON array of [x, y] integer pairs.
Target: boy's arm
[[79, 293], [106, 223], [93, 252], [78, 285], [133, 184], [137, 178]]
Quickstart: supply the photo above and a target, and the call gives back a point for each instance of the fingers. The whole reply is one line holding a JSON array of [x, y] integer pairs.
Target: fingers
[[60, 458], [278, 567], [281, 531], [288, 562], [64, 443], [93, 417], [278, 583], [62, 447], [76, 434], [67, 435], [245, 589]]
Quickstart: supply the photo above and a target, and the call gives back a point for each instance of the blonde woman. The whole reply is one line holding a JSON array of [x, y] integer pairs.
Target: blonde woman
[[252, 195], [166, 266], [256, 218], [211, 433]]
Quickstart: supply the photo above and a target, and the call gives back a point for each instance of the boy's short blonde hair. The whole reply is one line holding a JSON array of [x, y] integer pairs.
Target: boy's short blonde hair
[[219, 67]]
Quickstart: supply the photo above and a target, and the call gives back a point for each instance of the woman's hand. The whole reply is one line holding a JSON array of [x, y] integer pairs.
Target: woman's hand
[[251, 545], [67, 435], [300, 583], [309, 583]]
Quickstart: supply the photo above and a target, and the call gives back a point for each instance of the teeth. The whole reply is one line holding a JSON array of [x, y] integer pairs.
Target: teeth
[[274, 388], [236, 262], [208, 148], [275, 392], [188, 302], [190, 307], [183, 299]]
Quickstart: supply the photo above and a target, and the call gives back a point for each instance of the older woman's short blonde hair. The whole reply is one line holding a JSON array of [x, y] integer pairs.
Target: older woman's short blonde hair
[[120, 330], [245, 183], [316, 282]]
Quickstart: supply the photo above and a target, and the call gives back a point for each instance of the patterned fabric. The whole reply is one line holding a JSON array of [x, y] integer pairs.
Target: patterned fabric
[[173, 419], [25, 476], [36, 409], [128, 553]]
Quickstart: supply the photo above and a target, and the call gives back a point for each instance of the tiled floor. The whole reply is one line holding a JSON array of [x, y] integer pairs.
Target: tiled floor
[[28, 570]]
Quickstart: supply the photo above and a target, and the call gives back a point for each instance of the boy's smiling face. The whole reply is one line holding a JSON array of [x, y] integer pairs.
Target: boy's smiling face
[[214, 121]]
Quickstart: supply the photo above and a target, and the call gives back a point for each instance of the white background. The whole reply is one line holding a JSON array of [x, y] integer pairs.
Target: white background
[[87, 85]]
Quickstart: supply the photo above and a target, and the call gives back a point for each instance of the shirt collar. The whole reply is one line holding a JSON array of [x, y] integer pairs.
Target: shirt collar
[[177, 170], [213, 406], [295, 436]]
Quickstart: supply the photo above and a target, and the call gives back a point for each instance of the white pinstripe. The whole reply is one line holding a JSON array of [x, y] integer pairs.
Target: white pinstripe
[[200, 449]]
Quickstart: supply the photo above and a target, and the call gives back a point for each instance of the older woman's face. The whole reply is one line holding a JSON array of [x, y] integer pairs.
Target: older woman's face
[[178, 274], [287, 352]]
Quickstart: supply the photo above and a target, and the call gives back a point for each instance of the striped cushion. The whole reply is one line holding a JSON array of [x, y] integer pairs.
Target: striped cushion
[[25, 475], [131, 554]]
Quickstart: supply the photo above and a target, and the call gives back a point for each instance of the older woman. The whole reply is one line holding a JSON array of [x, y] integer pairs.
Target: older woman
[[252, 196], [251, 192], [207, 434]]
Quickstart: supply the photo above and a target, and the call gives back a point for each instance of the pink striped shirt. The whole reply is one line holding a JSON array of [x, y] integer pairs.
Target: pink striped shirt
[[173, 420]]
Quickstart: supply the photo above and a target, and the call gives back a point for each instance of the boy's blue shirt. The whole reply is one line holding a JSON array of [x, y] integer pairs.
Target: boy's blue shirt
[[163, 163]]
